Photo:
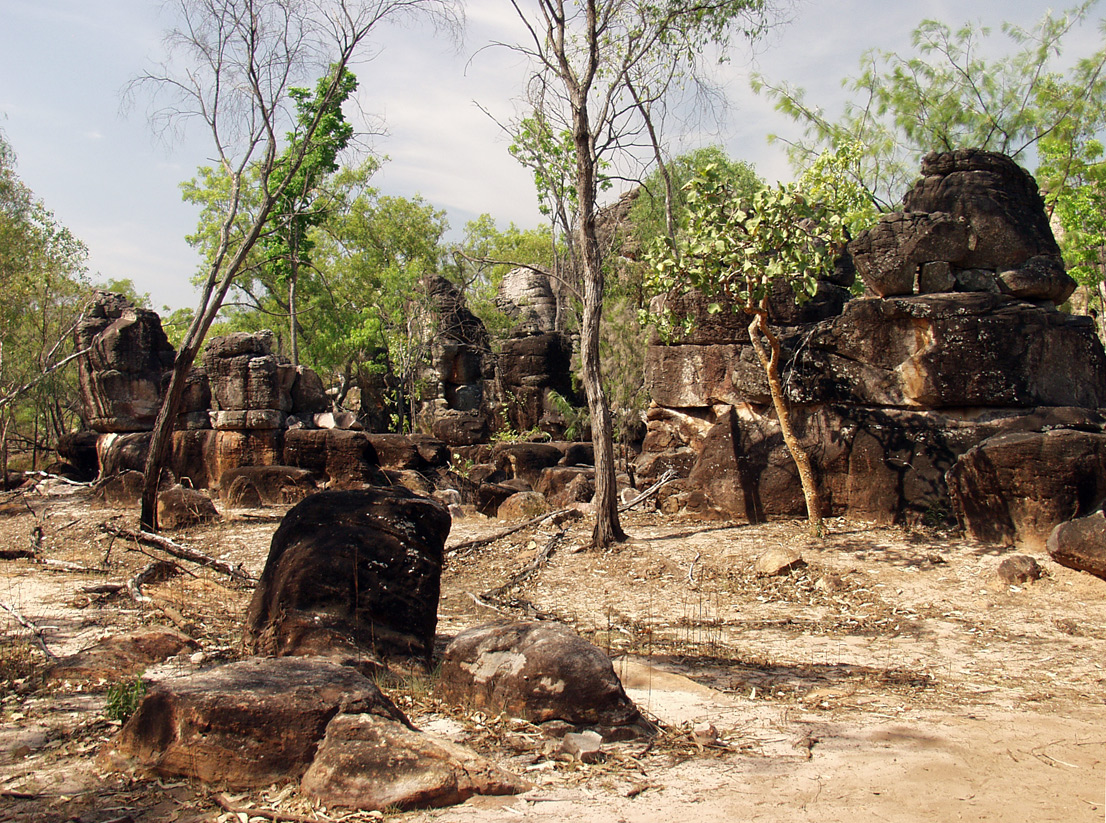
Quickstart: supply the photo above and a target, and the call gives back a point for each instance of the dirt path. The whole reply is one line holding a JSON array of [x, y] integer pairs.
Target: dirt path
[[893, 677]]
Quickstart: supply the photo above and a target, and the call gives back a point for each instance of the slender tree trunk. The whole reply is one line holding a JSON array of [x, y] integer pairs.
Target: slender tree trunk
[[770, 360], [293, 331], [608, 530]]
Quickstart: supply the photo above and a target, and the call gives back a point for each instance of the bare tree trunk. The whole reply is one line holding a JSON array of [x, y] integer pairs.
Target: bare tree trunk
[[770, 360], [608, 530], [293, 331]]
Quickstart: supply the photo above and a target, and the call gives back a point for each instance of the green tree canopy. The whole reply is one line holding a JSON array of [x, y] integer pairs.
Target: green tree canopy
[[951, 93]]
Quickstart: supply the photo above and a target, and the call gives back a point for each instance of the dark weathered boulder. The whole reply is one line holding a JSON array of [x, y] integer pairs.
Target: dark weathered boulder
[[179, 508], [541, 672], [947, 351], [888, 256], [120, 379], [997, 199], [308, 394], [1018, 569], [1039, 278], [351, 572], [118, 453], [490, 496], [370, 762], [1016, 488], [247, 447], [563, 486], [122, 489], [679, 377], [526, 460], [348, 458], [193, 457], [245, 375], [120, 656], [79, 450], [1080, 544], [578, 454], [397, 451], [245, 724], [537, 360], [461, 428]]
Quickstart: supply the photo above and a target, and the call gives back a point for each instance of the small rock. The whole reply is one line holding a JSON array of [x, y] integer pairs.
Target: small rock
[[1018, 569], [775, 562], [583, 746], [829, 583], [705, 734]]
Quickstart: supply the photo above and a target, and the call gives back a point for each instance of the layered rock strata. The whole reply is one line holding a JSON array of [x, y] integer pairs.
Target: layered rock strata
[[958, 339]]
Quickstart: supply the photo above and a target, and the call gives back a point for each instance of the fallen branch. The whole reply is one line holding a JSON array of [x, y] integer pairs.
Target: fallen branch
[[476, 543], [268, 814], [664, 480], [540, 560], [155, 570], [180, 551], [31, 627]]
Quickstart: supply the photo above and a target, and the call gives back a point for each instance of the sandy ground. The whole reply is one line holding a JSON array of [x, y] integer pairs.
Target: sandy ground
[[893, 677]]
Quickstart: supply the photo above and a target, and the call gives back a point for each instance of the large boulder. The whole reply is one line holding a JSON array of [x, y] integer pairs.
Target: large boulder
[[179, 508], [128, 355], [245, 375], [1080, 544], [952, 351], [272, 485], [245, 724], [1016, 488], [526, 297], [351, 573], [348, 458], [997, 199], [370, 762], [541, 672]]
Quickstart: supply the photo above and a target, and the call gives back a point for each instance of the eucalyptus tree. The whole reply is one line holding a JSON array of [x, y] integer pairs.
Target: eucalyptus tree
[[589, 60], [231, 66]]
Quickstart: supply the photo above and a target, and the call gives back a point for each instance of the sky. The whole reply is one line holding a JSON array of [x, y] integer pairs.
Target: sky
[[105, 174]]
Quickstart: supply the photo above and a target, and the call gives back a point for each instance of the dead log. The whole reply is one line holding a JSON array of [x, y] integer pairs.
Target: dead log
[[181, 552]]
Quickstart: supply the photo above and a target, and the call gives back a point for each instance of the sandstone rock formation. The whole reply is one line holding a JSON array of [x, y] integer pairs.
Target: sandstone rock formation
[[957, 340], [542, 672], [245, 724], [456, 406], [369, 762], [1080, 544], [526, 297], [353, 574], [259, 721], [120, 379]]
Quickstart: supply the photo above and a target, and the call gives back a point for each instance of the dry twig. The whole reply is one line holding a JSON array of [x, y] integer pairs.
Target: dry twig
[[268, 814], [180, 551], [540, 560], [31, 627], [476, 543]]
